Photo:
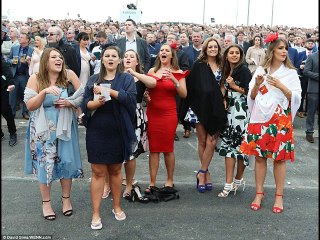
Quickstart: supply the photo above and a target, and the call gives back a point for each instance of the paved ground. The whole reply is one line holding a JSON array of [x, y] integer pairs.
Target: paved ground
[[193, 216]]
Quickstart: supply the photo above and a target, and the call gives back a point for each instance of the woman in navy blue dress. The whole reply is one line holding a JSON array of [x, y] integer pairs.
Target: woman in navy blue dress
[[110, 138]]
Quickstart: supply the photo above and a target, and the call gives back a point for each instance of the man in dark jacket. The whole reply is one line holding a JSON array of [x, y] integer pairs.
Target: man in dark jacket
[[132, 41], [55, 39], [7, 85]]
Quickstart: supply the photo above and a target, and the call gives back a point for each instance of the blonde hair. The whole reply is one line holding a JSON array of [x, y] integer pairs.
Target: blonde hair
[[43, 42]]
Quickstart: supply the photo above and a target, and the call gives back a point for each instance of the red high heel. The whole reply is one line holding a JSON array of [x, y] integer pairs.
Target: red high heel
[[254, 206], [277, 209]]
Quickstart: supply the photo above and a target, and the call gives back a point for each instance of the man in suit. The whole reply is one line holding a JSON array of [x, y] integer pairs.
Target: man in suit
[[131, 41], [193, 51], [70, 37], [20, 71], [303, 79], [311, 71], [153, 47], [114, 36], [243, 44], [7, 82]]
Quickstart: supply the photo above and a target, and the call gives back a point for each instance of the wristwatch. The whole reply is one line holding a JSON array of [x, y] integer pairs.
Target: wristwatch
[[177, 85]]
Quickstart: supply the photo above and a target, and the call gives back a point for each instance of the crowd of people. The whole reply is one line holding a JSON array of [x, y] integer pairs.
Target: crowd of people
[[243, 84]]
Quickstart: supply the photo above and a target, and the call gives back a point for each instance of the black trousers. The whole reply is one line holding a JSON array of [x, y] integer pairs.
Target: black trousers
[[6, 111], [304, 86]]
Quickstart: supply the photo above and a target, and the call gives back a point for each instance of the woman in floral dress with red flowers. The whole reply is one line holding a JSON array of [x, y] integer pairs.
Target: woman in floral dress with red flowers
[[273, 100]]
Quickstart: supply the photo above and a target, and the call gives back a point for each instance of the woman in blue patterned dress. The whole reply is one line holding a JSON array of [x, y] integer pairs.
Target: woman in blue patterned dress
[[234, 86], [52, 148]]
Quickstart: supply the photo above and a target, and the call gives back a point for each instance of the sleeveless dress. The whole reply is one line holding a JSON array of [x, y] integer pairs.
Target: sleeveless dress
[[140, 123], [103, 138], [162, 114], [53, 158]]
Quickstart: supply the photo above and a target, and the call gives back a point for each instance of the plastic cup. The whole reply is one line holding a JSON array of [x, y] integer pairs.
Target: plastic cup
[[15, 60], [23, 58], [57, 104]]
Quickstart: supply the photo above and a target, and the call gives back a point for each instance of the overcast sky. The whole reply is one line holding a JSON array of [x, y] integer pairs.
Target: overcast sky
[[297, 13]]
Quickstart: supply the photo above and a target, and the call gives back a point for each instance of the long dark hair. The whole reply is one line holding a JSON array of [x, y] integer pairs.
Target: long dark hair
[[226, 68], [103, 69]]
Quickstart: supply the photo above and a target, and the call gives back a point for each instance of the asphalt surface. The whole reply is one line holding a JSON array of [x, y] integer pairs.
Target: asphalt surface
[[193, 216]]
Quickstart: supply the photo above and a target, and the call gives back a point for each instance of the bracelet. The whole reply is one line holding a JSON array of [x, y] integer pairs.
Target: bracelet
[[287, 92]]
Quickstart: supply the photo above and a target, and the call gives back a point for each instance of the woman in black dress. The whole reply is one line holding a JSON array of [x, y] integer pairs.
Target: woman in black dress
[[132, 65], [206, 102], [110, 138]]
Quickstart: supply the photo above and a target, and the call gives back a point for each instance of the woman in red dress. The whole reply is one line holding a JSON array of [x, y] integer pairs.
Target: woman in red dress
[[161, 111], [273, 101]]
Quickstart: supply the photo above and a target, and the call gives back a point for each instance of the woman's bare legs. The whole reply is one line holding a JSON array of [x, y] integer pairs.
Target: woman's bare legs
[[115, 178], [129, 167], [45, 194], [206, 146], [240, 169], [170, 163], [260, 170], [279, 172], [106, 187], [66, 189], [229, 164], [98, 176], [153, 167]]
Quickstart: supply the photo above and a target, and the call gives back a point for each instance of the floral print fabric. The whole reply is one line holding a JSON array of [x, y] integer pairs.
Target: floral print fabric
[[273, 139]]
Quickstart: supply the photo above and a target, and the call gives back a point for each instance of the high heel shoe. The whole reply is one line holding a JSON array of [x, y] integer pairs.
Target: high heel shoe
[[254, 206], [201, 188], [128, 195], [238, 183], [228, 187], [277, 209], [67, 213], [50, 217], [208, 186], [137, 196]]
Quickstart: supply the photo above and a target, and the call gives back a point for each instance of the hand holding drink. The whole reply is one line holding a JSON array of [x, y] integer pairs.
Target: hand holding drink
[[15, 60]]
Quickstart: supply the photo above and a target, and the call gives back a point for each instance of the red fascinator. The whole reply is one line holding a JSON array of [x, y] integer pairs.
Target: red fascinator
[[174, 46], [271, 37]]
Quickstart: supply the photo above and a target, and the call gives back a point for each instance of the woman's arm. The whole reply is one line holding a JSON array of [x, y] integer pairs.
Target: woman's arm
[[181, 88], [73, 78], [148, 81], [258, 80], [36, 101]]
